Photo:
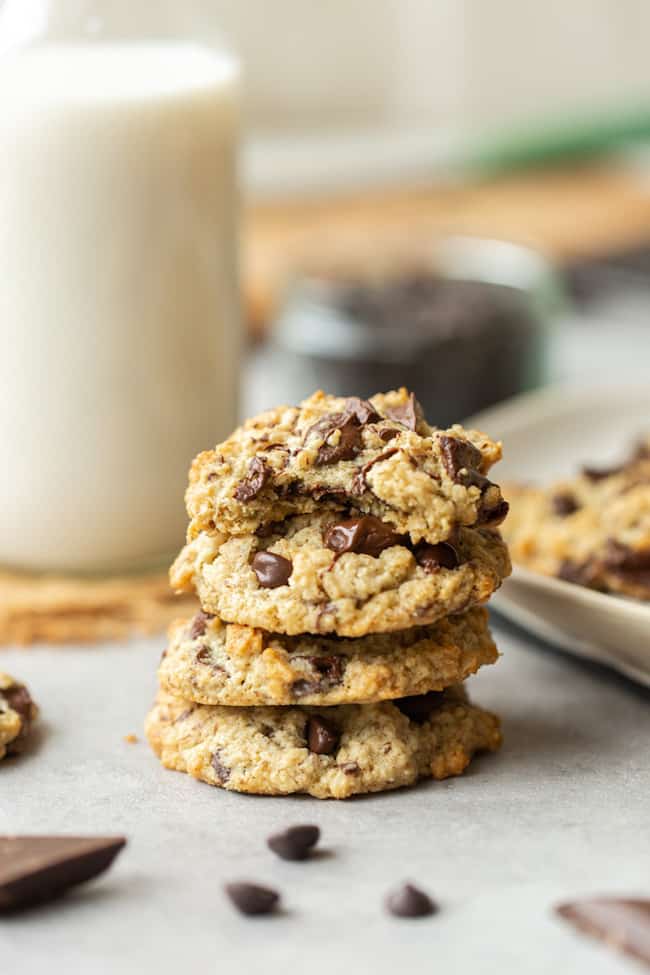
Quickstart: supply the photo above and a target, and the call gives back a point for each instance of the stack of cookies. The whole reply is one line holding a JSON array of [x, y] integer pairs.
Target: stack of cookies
[[341, 551]]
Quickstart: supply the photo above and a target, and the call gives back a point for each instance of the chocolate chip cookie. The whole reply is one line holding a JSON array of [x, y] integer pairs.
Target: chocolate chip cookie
[[379, 456], [211, 662], [593, 530], [350, 575], [17, 712], [327, 752]]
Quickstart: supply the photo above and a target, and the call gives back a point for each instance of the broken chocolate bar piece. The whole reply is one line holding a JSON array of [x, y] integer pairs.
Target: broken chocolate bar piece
[[34, 869]]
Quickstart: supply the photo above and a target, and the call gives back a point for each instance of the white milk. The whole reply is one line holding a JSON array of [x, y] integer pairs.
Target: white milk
[[118, 296]]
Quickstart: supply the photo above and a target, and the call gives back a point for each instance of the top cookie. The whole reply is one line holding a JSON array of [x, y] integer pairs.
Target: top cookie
[[379, 455]]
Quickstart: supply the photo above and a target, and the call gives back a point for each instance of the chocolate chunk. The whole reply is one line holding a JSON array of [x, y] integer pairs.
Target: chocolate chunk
[[563, 504], [349, 442], [34, 869], [250, 486], [329, 673], [419, 707], [435, 557], [409, 901], [322, 735], [364, 536], [631, 564], [271, 570], [359, 483], [296, 843], [459, 455], [407, 414], [19, 700], [252, 899], [494, 515], [622, 923], [204, 655], [363, 411], [600, 473], [199, 624], [387, 434], [222, 771]]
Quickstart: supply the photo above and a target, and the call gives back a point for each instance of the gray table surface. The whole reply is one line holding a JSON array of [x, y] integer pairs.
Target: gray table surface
[[563, 810]]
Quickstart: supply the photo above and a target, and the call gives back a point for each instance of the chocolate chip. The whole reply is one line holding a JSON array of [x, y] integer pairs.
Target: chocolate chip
[[459, 455], [364, 536], [563, 504], [19, 700], [493, 515], [349, 442], [204, 655], [600, 473], [419, 707], [296, 843], [34, 869], [387, 434], [363, 411], [271, 570], [252, 899], [435, 557], [622, 923], [409, 901], [199, 624], [322, 735], [628, 563], [222, 771], [251, 485], [407, 413], [329, 673]]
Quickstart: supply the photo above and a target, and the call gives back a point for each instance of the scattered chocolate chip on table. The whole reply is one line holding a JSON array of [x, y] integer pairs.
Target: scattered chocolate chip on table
[[296, 843]]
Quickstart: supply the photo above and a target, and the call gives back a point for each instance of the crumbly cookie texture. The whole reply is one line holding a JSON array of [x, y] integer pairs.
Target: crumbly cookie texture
[[328, 752], [593, 530], [211, 662], [379, 455], [17, 712], [313, 574]]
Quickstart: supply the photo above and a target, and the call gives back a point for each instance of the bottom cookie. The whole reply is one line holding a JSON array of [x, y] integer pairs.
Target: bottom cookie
[[17, 711], [332, 752]]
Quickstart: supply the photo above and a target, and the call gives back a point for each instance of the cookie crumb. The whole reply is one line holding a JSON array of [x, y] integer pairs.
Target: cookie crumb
[[131, 739]]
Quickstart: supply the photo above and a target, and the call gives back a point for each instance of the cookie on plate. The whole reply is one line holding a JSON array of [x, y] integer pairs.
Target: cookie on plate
[[350, 575], [327, 752], [378, 455], [17, 712], [211, 662], [593, 530]]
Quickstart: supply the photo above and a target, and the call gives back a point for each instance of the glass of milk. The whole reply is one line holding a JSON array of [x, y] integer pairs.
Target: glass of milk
[[119, 302]]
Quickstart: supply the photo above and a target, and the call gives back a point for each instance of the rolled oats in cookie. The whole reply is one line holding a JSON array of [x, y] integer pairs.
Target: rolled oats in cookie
[[331, 752], [17, 712], [228, 664], [378, 455], [592, 530], [339, 578]]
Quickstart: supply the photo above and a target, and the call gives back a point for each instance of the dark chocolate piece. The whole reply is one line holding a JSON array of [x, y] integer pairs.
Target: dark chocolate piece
[[364, 536], [622, 923], [271, 570], [199, 624], [628, 563], [19, 700], [408, 414], [322, 735], [409, 901], [252, 899], [349, 442], [435, 557], [34, 869], [250, 486], [563, 504], [328, 672], [222, 771], [419, 707], [362, 410], [460, 455], [296, 843]]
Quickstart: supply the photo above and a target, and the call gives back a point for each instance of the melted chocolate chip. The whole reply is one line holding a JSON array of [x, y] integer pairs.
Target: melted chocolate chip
[[349, 442], [362, 410], [19, 700], [204, 655], [435, 557], [409, 901], [251, 485], [329, 673], [364, 536], [252, 899], [322, 735], [221, 771], [199, 624], [564, 504], [271, 570], [459, 455], [493, 515], [419, 707], [407, 414], [387, 434], [296, 843]]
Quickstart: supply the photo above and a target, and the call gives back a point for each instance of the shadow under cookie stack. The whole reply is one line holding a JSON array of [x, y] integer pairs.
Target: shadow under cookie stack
[[341, 551]]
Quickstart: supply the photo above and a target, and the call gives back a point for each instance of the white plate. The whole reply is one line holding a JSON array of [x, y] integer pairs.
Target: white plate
[[549, 434]]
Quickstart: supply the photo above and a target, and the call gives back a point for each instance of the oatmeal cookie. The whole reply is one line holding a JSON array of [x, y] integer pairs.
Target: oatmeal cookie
[[331, 752], [211, 662]]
